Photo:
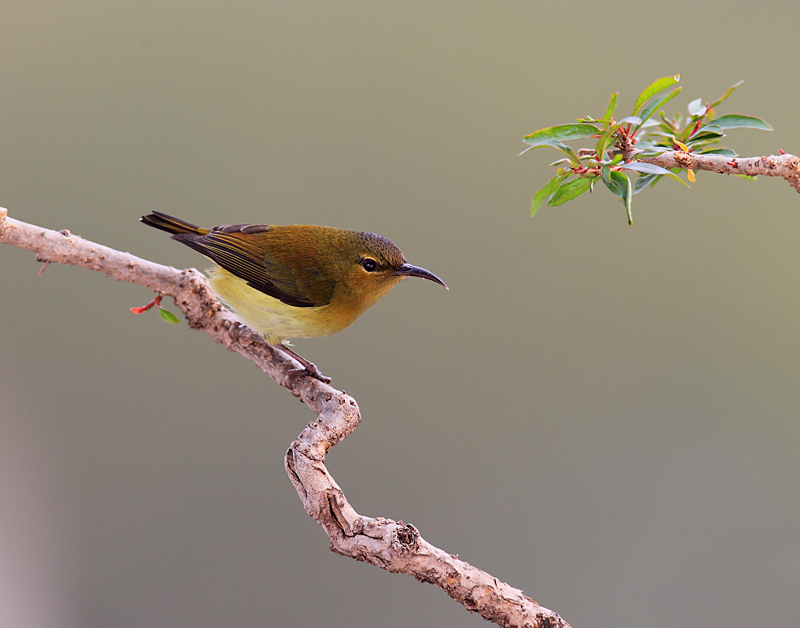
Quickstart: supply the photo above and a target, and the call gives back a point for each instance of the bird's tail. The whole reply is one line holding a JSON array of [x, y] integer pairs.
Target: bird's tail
[[171, 225]]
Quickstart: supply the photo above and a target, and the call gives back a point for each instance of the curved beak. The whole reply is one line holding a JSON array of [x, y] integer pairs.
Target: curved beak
[[407, 270]]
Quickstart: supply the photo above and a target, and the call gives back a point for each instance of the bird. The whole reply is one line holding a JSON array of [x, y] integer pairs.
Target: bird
[[294, 281]]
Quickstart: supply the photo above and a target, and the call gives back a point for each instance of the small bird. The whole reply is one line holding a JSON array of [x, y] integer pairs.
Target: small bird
[[298, 281]]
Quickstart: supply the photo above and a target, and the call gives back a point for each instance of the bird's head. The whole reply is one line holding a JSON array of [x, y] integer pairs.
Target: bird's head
[[371, 265]]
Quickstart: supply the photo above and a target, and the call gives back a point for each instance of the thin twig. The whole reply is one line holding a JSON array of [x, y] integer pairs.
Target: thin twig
[[391, 545]]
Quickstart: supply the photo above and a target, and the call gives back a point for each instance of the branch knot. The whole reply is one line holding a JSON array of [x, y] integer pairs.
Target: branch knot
[[407, 536]]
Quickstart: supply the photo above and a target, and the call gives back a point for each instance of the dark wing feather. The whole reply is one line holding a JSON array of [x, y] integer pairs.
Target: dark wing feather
[[239, 250]]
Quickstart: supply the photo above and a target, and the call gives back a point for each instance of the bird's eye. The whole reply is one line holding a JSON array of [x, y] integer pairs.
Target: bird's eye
[[370, 265]]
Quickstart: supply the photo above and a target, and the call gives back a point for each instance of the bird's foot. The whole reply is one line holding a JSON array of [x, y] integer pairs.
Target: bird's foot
[[309, 368], [311, 371]]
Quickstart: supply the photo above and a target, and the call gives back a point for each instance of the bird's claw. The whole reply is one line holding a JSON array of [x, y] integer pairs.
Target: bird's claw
[[311, 371]]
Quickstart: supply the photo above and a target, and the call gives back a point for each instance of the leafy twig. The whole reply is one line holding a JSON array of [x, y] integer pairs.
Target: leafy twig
[[652, 149]]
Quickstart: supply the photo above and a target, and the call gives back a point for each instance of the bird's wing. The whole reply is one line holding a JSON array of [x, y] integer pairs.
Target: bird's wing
[[239, 250]]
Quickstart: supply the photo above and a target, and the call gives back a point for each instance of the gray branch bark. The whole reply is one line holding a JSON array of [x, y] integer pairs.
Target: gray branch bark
[[785, 166], [391, 545]]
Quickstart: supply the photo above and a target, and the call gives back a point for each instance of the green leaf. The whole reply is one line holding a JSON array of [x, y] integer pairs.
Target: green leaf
[[549, 187], [708, 132], [727, 93], [570, 190], [727, 152], [612, 104], [701, 139], [168, 316], [645, 168], [737, 121], [605, 175], [572, 156], [620, 185], [644, 181], [652, 151], [657, 104], [683, 136], [614, 184], [634, 120], [651, 90], [699, 147], [713, 127], [560, 133], [605, 140], [628, 199], [567, 150]]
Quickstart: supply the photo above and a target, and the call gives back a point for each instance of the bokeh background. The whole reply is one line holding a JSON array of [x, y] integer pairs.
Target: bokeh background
[[604, 416]]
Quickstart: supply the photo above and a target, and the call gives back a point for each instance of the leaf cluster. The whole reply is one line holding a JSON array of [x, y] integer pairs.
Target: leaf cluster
[[620, 143]]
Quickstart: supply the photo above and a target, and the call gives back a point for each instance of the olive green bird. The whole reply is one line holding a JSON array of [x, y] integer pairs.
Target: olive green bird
[[297, 281]]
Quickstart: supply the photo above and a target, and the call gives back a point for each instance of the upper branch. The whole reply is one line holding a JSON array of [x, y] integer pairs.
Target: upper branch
[[785, 166], [391, 545]]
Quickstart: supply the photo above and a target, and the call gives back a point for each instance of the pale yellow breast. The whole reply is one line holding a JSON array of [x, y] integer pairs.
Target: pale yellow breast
[[273, 318]]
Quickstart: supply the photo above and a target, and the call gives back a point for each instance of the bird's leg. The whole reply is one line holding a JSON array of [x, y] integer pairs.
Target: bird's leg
[[308, 367]]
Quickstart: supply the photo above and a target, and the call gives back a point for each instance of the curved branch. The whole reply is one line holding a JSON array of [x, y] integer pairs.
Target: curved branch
[[391, 545]]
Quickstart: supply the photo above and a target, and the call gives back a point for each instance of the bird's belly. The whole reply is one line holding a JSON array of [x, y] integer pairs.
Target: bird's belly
[[273, 318]]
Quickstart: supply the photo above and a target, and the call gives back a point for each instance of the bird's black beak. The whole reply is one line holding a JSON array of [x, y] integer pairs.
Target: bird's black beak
[[407, 270]]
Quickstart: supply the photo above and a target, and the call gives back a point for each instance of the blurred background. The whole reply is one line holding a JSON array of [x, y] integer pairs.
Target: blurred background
[[601, 415]]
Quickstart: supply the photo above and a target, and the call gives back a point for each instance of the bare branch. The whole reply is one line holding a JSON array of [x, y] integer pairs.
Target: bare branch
[[391, 545], [786, 166]]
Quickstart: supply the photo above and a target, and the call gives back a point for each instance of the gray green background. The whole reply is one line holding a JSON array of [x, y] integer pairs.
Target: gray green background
[[604, 416]]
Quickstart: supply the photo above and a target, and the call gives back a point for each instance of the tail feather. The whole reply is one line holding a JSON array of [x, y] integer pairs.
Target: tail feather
[[171, 224]]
